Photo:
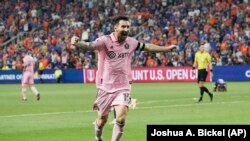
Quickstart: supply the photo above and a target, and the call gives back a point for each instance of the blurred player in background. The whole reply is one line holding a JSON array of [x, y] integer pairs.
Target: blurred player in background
[[220, 85], [112, 79], [202, 62], [28, 76]]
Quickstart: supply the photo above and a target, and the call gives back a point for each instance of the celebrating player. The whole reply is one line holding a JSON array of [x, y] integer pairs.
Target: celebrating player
[[112, 78]]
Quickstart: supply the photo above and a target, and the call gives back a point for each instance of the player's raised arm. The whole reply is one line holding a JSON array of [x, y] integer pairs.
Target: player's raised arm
[[81, 44], [156, 48]]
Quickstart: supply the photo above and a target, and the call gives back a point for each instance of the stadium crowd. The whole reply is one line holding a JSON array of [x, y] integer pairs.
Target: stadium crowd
[[224, 25]]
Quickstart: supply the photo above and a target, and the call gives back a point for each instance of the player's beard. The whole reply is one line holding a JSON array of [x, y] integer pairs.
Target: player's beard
[[122, 36]]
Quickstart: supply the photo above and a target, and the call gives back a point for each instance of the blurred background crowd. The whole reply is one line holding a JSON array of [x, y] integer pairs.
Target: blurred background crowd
[[46, 26]]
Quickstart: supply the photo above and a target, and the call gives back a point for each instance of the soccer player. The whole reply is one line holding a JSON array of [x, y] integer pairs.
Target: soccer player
[[28, 76], [112, 78], [220, 85], [202, 62]]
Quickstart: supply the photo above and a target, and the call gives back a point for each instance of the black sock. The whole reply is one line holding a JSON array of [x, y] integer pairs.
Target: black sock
[[201, 92], [206, 90]]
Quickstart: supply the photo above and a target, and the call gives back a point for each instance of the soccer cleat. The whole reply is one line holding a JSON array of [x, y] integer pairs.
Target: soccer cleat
[[98, 139], [38, 97], [24, 99], [200, 100]]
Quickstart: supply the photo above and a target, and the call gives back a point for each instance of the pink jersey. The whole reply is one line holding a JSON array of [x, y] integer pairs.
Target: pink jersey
[[28, 63], [114, 62]]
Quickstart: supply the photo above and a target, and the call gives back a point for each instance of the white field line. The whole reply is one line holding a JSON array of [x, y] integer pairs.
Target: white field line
[[44, 114], [138, 108]]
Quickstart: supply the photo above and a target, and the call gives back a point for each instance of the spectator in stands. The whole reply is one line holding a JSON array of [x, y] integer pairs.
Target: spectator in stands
[[223, 24]]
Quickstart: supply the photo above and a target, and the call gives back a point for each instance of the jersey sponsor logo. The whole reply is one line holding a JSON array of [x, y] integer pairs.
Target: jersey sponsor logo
[[111, 54], [122, 55]]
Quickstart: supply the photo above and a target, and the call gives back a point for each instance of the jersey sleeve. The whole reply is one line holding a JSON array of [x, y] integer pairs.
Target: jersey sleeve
[[25, 62], [99, 43]]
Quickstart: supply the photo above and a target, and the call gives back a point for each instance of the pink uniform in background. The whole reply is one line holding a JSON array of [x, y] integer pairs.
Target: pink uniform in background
[[28, 72], [28, 77]]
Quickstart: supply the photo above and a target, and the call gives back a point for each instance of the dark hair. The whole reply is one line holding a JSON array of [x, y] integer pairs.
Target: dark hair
[[201, 43], [119, 18]]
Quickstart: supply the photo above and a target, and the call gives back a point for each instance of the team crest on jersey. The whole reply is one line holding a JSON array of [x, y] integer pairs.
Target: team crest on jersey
[[111, 54], [126, 46]]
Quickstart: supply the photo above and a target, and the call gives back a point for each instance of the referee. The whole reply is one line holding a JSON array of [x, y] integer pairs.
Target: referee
[[202, 62]]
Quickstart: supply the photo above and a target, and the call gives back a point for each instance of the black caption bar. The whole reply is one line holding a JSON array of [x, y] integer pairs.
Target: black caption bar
[[221, 132]]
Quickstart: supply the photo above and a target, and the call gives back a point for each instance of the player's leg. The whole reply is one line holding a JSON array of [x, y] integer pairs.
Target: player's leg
[[205, 88], [99, 125], [121, 104], [102, 105], [34, 90], [24, 90], [202, 74], [32, 87], [121, 113], [201, 84], [24, 86], [113, 121]]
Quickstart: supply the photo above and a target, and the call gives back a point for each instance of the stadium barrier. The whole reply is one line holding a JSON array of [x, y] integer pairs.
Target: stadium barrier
[[180, 74], [232, 73], [159, 74], [142, 75], [48, 76]]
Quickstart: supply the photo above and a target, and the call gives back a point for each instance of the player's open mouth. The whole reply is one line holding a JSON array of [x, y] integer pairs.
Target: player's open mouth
[[124, 33]]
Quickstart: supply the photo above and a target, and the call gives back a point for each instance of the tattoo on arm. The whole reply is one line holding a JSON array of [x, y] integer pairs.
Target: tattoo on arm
[[84, 45]]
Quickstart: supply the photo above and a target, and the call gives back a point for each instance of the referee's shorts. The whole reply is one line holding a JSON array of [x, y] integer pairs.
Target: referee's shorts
[[202, 75]]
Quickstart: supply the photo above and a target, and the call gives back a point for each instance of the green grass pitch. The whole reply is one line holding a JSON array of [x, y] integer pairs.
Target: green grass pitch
[[64, 112]]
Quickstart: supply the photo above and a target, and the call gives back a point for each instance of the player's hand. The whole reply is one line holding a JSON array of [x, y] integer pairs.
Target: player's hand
[[173, 46], [74, 40], [95, 107]]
